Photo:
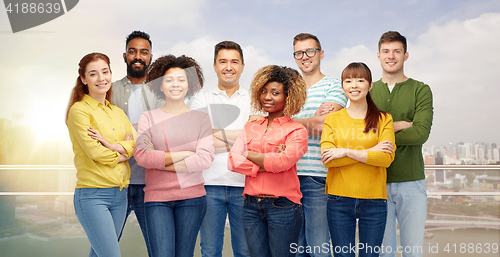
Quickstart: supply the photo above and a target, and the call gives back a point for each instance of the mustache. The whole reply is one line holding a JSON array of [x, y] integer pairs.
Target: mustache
[[137, 60]]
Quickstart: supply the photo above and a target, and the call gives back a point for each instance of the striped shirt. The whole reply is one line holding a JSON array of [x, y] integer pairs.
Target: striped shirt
[[326, 90]]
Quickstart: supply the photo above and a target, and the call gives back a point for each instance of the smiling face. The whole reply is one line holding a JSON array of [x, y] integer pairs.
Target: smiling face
[[97, 78], [356, 89], [175, 84], [392, 57], [308, 65], [228, 66], [138, 57], [272, 99]]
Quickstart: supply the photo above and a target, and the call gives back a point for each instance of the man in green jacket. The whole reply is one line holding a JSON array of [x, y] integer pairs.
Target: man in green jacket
[[410, 104]]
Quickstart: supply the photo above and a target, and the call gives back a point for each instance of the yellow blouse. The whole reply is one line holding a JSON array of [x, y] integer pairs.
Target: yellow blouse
[[346, 176], [96, 165]]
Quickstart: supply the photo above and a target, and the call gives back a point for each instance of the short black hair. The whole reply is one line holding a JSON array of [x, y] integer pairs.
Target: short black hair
[[228, 45], [138, 34]]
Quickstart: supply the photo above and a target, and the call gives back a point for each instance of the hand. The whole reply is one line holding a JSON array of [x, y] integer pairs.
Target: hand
[[254, 118], [400, 125], [122, 158], [323, 109], [94, 134], [129, 137], [384, 146], [332, 153], [281, 148]]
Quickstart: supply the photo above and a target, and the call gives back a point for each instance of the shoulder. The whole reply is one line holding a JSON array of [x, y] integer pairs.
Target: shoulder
[[378, 84], [119, 84]]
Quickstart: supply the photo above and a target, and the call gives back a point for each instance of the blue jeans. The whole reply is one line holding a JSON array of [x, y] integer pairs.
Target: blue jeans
[[342, 215], [223, 201], [406, 203], [271, 225], [136, 202], [314, 233], [101, 211], [173, 226]]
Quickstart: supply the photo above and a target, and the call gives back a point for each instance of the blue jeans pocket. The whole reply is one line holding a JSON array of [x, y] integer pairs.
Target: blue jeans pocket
[[283, 203], [378, 200], [318, 180], [334, 198], [88, 191]]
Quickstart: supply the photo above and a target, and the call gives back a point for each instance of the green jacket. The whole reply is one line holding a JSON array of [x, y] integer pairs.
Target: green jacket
[[410, 101]]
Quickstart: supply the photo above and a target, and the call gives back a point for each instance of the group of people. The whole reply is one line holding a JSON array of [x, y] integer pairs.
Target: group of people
[[290, 163]]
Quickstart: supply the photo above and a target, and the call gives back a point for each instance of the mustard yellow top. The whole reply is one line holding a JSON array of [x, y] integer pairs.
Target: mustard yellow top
[[96, 165], [346, 176]]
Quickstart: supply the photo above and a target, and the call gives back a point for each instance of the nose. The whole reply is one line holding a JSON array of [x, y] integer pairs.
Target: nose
[[228, 66], [267, 96]]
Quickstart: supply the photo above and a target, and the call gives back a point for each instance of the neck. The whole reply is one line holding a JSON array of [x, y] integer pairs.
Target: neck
[[358, 109], [274, 115], [392, 78], [313, 78], [230, 90], [136, 81], [99, 98], [175, 107]]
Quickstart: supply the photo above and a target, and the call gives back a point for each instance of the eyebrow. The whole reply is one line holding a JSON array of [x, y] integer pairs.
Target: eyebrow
[[133, 48]]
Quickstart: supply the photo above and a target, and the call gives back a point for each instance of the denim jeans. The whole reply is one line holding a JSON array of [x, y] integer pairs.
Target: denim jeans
[[406, 203], [101, 211], [223, 201], [342, 215], [136, 202], [173, 226], [271, 225], [314, 232]]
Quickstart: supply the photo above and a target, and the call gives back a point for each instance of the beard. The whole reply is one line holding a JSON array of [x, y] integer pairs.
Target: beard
[[137, 73]]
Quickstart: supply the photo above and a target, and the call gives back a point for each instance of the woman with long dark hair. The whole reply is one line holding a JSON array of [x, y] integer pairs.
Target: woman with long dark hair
[[102, 138], [357, 146]]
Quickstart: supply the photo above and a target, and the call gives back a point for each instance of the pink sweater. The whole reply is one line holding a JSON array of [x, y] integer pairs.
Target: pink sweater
[[191, 131]]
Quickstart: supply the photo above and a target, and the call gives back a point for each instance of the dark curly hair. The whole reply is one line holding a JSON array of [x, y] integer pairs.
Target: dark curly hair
[[138, 34], [294, 87], [159, 67]]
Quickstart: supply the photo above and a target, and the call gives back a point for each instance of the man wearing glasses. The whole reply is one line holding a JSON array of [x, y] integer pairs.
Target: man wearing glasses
[[324, 95]]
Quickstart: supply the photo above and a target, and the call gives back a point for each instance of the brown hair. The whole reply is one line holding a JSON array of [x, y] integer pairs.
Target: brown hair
[[392, 36], [304, 36], [164, 63], [294, 87], [373, 114], [230, 45], [81, 89]]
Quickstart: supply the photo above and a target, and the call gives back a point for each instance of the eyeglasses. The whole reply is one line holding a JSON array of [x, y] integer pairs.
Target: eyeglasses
[[311, 52]]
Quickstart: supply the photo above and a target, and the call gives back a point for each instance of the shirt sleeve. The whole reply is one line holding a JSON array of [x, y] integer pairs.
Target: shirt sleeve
[[328, 141], [236, 161], [419, 132], [295, 148], [79, 123], [145, 156], [198, 102], [386, 132], [335, 94], [129, 144], [205, 152]]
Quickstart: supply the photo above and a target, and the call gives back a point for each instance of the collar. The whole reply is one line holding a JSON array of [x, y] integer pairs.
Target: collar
[[217, 91], [94, 103], [280, 120]]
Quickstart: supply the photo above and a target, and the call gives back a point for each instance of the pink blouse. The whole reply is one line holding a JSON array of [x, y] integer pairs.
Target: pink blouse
[[280, 177], [191, 131]]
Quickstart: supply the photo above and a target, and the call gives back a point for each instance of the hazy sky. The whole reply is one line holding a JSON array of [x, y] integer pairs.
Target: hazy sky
[[454, 48]]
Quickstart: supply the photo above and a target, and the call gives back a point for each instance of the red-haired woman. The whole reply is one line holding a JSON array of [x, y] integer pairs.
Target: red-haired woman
[[357, 145], [102, 142]]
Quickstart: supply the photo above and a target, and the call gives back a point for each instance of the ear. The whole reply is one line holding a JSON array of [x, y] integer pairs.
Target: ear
[[371, 86], [83, 80], [242, 67], [322, 54], [125, 57], [406, 56], [215, 70]]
